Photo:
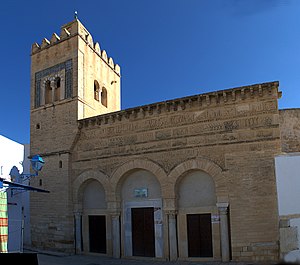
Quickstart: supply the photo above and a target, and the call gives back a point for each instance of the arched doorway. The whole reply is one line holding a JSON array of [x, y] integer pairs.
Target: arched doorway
[[142, 221], [94, 217], [198, 219]]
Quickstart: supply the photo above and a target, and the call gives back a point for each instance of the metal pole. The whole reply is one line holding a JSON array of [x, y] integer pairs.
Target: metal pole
[[22, 235]]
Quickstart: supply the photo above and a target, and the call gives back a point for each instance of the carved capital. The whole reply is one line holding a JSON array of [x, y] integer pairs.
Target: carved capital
[[77, 214], [171, 213], [115, 215], [223, 207], [223, 211]]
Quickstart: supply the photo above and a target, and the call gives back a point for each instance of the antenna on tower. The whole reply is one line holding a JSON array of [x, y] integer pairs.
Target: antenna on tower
[[75, 15]]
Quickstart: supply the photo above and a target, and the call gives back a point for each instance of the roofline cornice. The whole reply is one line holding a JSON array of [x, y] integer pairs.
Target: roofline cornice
[[210, 99]]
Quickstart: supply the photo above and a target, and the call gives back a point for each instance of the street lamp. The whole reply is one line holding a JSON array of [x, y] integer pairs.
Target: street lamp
[[37, 163]]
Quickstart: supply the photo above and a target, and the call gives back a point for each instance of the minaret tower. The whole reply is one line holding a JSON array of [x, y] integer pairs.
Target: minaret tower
[[71, 79]]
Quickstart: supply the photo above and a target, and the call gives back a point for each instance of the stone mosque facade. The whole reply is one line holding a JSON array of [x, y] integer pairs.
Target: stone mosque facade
[[186, 179]]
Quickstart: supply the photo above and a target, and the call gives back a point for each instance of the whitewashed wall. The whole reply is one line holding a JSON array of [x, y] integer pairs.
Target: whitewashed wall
[[288, 187], [15, 154], [11, 154]]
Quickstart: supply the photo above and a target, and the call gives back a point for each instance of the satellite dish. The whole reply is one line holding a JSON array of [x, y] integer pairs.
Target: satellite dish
[[15, 174]]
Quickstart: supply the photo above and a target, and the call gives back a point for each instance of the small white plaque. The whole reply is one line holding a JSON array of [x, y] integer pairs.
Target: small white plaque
[[141, 193]]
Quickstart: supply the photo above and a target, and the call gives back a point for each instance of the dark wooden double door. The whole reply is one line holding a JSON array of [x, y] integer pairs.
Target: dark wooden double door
[[199, 235], [97, 233], [143, 239]]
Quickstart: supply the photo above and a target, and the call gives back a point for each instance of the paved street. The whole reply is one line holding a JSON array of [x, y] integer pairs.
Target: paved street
[[51, 258], [46, 259]]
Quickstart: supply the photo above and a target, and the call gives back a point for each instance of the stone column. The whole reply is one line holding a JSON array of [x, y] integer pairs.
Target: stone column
[[172, 235], [223, 210], [78, 228], [116, 235]]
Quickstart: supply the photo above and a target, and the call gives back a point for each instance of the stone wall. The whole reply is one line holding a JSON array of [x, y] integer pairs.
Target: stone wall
[[290, 130], [237, 130], [77, 61], [231, 135]]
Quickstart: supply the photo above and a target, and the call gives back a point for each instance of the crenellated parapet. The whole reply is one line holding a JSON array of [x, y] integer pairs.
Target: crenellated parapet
[[202, 101], [75, 28]]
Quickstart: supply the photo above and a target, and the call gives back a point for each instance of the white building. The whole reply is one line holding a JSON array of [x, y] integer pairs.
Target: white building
[[287, 168], [13, 154]]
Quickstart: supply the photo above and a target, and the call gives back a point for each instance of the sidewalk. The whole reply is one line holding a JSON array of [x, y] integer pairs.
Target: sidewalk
[[58, 258], [45, 259], [49, 259]]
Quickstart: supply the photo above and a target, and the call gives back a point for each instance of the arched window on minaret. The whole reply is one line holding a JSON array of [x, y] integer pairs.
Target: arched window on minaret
[[104, 96], [96, 90], [48, 92], [57, 89]]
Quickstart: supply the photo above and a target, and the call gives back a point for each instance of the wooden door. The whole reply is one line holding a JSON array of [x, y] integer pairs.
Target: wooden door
[[97, 233], [143, 242], [199, 235]]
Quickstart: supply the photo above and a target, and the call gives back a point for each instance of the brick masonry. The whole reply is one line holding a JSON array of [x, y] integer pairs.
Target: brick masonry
[[290, 130], [232, 135]]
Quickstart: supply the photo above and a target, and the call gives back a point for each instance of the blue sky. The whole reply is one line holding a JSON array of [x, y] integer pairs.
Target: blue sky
[[166, 48]]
